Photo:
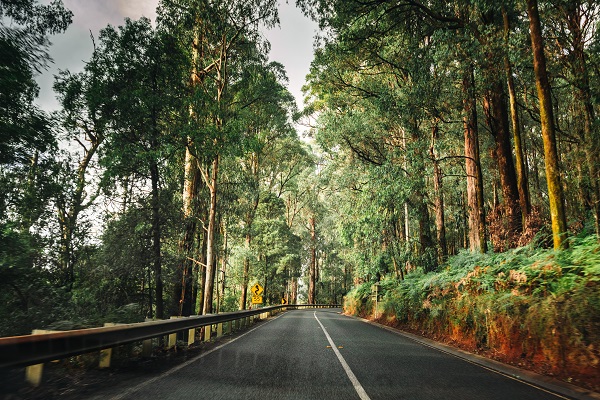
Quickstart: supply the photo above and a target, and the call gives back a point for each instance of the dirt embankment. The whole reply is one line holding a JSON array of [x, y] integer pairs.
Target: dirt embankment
[[509, 350]]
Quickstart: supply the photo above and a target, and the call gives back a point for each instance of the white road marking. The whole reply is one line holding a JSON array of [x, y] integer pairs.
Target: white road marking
[[462, 358], [357, 386]]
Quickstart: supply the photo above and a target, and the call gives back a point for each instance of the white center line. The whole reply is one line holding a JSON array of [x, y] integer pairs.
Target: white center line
[[357, 386]]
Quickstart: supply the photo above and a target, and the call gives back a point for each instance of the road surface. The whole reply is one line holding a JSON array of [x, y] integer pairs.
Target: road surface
[[321, 354]]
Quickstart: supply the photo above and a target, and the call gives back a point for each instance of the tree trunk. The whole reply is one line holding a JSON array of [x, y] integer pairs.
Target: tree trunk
[[156, 245], [223, 270], [68, 212], [584, 96], [497, 120], [150, 299], [555, 191], [266, 280], [312, 274], [245, 274], [210, 240], [425, 238], [183, 288], [475, 206], [201, 270], [294, 291], [522, 184], [442, 249]]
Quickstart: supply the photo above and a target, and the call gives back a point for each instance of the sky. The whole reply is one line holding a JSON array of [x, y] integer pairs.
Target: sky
[[291, 42]]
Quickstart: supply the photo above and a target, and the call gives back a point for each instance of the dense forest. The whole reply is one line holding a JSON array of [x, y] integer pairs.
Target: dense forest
[[171, 179], [453, 160], [463, 154]]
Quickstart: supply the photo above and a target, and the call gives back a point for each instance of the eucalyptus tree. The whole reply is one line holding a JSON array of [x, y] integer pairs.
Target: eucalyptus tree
[[222, 34], [516, 124], [383, 104], [256, 212], [27, 163], [87, 108], [24, 30], [555, 191], [276, 248], [287, 167], [146, 72], [479, 38], [334, 276], [398, 92], [121, 106], [573, 25], [27, 138], [266, 115]]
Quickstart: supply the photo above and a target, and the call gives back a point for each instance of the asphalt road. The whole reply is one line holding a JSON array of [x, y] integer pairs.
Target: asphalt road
[[320, 354]]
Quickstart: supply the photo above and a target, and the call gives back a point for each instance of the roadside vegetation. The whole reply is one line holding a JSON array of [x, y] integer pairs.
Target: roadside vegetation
[[531, 306]]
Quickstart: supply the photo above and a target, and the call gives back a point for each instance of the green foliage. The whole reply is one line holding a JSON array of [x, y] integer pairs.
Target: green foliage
[[539, 303], [24, 128], [24, 285]]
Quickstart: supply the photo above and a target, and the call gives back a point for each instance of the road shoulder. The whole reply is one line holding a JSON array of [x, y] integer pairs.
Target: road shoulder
[[529, 377]]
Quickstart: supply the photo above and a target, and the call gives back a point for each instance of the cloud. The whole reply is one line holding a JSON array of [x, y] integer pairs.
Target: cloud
[[72, 49], [96, 14], [137, 8]]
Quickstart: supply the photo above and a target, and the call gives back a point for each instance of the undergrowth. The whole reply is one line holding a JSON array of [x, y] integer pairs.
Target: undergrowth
[[536, 305]]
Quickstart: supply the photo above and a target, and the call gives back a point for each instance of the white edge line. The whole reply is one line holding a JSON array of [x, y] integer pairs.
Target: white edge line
[[134, 389], [357, 386], [463, 358]]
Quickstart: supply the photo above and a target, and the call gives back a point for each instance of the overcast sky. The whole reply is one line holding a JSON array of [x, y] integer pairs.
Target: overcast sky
[[291, 42]]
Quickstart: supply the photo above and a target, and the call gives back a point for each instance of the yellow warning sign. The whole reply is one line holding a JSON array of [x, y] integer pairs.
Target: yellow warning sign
[[257, 290], [257, 299]]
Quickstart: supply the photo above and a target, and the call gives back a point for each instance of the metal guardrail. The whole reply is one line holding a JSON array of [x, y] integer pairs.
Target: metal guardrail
[[20, 351]]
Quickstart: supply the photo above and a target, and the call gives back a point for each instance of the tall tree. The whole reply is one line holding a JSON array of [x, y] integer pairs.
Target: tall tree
[[475, 199], [141, 65], [522, 180], [23, 44], [576, 25], [555, 190], [84, 115]]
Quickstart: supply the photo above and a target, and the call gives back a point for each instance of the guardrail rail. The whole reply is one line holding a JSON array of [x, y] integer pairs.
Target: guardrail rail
[[33, 350]]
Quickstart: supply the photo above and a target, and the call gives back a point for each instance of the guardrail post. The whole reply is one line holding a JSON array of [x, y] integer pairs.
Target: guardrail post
[[147, 348], [147, 344], [33, 373], [207, 333], [191, 336], [106, 354], [219, 330], [172, 337]]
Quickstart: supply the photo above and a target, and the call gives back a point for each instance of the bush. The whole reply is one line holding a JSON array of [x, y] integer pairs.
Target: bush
[[533, 304]]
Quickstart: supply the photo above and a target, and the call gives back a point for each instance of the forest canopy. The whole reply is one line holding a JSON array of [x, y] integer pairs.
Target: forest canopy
[[173, 176]]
